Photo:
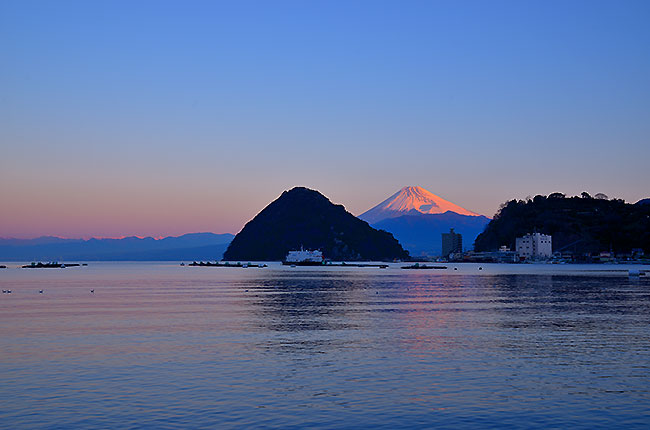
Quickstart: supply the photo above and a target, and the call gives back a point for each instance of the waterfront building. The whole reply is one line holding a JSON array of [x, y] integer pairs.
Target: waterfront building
[[534, 246], [451, 243]]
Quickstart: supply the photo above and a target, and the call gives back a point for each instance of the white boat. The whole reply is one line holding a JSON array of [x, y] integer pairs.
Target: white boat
[[304, 257]]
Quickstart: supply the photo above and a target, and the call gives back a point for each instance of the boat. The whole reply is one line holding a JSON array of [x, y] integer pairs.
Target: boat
[[423, 266], [224, 264], [50, 265], [304, 257]]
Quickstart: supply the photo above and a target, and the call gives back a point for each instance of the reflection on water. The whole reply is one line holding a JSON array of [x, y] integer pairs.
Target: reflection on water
[[163, 346], [303, 304]]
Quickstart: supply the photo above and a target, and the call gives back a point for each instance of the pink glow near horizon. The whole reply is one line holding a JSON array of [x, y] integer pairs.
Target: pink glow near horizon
[[126, 215]]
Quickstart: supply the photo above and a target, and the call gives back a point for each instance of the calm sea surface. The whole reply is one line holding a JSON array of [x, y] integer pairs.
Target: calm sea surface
[[163, 346]]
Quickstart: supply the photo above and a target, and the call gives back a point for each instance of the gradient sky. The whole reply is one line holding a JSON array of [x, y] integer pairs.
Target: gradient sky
[[163, 118]]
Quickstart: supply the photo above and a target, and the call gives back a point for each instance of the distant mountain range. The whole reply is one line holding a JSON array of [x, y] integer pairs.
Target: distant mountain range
[[193, 246], [302, 217], [417, 218]]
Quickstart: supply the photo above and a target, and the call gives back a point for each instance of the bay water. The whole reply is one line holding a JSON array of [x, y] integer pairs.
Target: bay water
[[157, 345]]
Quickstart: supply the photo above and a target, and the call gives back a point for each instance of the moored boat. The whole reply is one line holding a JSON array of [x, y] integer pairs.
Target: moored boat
[[304, 257], [423, 266]]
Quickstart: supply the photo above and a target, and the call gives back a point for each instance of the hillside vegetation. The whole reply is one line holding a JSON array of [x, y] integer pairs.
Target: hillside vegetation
[[578, 224], [305, 218]]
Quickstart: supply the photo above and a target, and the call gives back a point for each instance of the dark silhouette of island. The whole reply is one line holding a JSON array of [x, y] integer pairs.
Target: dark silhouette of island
[[577, 224], [304, 217], [421, 233], [194, 246]]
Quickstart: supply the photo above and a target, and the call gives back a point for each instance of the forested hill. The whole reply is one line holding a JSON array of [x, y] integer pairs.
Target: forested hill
[[304, 217], [579, 224]]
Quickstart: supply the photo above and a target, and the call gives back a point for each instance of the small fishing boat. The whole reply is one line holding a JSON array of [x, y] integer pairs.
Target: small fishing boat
[[423, 266]]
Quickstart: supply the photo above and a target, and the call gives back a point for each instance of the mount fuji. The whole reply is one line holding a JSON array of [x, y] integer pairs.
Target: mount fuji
[[412, 201], [417, 218]]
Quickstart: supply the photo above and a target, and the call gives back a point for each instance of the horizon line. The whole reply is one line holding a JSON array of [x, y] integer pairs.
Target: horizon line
[[86, 238]]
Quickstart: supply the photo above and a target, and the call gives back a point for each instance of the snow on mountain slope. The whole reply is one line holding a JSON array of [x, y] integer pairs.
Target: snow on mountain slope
[[410, 199]]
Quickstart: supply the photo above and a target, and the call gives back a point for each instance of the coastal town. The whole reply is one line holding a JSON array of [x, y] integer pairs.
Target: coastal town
[[532, 248]]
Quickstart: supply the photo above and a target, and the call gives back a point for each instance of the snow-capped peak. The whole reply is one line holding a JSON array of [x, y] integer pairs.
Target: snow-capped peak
[[412, 199]]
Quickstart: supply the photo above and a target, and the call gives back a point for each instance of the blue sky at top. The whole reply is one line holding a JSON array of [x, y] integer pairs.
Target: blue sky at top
[[169, 117]]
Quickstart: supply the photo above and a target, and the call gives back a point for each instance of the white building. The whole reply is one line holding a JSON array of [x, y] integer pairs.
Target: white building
[[534, 245]]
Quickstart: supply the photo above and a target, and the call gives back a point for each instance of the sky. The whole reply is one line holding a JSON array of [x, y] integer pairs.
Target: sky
[[157, 118]]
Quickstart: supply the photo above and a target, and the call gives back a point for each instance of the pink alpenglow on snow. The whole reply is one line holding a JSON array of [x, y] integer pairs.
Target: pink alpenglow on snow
[[412, 199]]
